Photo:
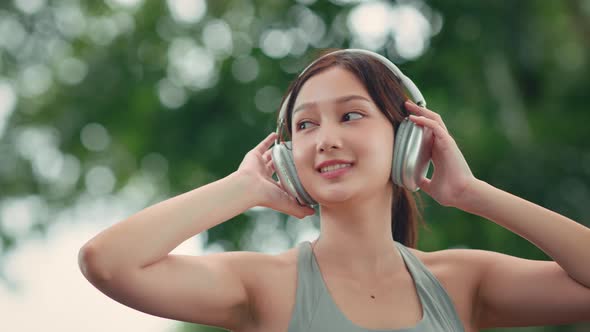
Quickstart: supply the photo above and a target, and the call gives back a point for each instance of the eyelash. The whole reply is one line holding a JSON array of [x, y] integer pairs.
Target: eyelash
[[301, 122]]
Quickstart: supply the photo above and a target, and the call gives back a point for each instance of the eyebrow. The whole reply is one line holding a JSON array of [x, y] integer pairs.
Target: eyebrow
[[339, 100]]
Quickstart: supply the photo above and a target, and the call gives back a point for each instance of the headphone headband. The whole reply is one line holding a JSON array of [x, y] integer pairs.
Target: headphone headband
[[407, 83]]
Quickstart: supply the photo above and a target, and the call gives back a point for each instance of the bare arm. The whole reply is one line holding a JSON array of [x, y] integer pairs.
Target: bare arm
[[512, 291], [149, 235], [131, 261], [519, 292]]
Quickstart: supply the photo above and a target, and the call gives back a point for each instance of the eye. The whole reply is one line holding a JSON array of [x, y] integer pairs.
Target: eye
[[347, 115], [301, 123]]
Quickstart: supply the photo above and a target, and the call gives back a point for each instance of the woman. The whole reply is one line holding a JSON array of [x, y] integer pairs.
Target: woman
[[356, 276]]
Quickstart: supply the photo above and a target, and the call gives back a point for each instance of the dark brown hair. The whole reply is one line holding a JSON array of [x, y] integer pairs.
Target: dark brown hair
[[387, 92]]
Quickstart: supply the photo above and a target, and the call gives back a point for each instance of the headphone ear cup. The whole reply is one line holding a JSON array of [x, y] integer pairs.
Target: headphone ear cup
[[398, 153], [282, 158], [412, 154]]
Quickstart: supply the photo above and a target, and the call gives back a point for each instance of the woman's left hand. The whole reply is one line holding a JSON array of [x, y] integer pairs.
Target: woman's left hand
[[451, 177]]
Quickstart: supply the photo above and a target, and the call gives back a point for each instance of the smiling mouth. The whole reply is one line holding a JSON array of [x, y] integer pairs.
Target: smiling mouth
[[336, 173], [319, 170]]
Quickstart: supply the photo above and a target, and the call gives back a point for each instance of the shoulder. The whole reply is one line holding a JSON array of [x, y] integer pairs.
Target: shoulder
[[463, 260], [253, 265], [270, 281], [452, 266], [261, 272], [460, 264], [459, 271]]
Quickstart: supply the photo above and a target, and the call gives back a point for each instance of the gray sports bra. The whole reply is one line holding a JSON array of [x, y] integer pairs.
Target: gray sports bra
[[315, 310]]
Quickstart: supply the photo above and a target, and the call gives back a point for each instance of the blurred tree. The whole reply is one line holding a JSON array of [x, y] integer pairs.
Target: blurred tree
[[133, 101]]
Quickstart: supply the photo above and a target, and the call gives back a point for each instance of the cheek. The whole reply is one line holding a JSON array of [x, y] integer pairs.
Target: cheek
[[300, 158], [380, 158], [380, 151]]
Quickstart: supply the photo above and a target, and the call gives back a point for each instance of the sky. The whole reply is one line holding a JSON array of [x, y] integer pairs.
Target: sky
[[53, 294]]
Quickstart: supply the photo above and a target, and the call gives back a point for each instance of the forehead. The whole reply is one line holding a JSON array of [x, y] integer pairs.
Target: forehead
[[330, 85]]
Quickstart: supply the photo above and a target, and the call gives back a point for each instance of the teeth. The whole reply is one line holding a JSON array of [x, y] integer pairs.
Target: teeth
[[333, 167]]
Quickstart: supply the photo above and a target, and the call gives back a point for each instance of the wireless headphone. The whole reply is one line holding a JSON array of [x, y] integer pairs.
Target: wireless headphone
[[411, 151]]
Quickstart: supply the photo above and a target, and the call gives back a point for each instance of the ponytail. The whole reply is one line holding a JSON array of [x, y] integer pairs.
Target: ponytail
[[405, 216]]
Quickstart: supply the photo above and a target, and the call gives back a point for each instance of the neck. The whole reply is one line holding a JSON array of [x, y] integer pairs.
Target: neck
[[356, 239]]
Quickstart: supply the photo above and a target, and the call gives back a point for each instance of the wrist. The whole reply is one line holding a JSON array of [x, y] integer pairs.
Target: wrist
[[245, 183], [471, 195]]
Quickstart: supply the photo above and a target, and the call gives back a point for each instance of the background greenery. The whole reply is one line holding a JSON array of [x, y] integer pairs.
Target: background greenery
[[101, 98]]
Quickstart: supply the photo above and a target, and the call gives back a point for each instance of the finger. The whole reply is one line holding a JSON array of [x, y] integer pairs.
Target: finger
[[302, 211], [306, 209], [308, 212], [270, 166], [293, 207], [266, 155], [425, 185], [418, 110], [412, 107], [435, 126], [265, 144]]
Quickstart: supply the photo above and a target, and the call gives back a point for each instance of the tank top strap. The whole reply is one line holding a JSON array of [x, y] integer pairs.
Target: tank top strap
[[435, 298], [308, 290]]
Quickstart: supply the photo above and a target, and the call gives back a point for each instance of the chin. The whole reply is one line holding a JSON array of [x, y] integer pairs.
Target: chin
[[332, 196]]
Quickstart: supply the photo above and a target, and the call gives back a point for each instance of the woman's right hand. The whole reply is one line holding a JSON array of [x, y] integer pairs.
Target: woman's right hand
[[258, 166]]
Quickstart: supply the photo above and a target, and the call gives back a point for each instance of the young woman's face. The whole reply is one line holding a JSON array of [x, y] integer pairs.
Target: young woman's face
[[335, 118]]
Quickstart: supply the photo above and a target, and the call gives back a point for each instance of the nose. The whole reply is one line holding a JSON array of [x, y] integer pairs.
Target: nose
[[328, 137]]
